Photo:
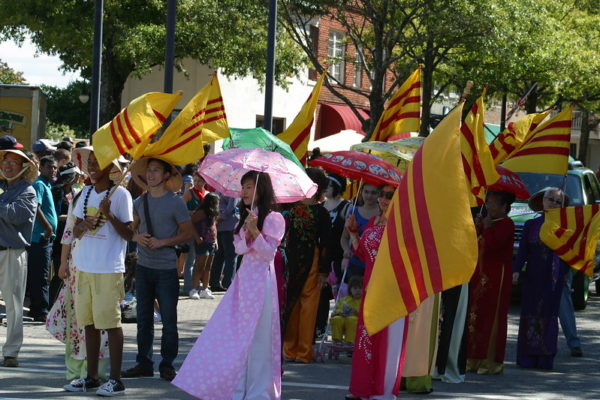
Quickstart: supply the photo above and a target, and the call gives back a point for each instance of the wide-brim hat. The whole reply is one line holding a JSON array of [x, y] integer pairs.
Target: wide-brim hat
[[31, 169], [81, 156], [536, 201], [138, 173]]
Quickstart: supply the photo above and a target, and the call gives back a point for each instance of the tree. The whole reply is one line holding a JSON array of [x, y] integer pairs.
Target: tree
[[393, 37], [65, 109], [227, 34], [9, 76]]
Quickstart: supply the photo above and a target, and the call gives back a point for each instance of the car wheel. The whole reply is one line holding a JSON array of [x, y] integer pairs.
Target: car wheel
[[580, 291]]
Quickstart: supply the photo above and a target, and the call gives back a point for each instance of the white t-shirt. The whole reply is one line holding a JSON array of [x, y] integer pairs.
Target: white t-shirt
[[102, 250]]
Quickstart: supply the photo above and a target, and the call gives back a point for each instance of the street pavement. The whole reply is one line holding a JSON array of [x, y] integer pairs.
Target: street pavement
[[41, 374]]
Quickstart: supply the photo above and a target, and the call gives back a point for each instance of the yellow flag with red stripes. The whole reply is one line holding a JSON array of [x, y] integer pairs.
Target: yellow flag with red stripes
[[202, 120], [297, 134], [547, 149], [477, 160], [131, 130], [573, 233], [515, 135], [429, 243], [403, 111]]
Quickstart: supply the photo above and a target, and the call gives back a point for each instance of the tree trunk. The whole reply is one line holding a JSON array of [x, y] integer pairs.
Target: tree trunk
[[427, 79], [111, 87], [584, 136], [532, 99], [503, 113]]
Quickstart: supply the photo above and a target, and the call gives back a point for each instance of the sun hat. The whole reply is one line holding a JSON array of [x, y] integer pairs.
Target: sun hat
[[536, 201], [30, 170], [138, 173], [81, 156]]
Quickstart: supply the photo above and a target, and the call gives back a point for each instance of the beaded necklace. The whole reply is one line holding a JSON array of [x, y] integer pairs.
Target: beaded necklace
[[85, 203]]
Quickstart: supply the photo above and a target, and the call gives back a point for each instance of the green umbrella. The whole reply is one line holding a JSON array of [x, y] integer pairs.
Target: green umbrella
[[259, 138]]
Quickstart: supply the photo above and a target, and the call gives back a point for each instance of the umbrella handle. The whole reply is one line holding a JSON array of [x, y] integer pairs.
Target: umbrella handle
[[254, 193], [360, 184]]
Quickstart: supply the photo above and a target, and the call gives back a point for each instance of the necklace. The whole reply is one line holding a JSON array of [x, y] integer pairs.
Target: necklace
[[85, 204]]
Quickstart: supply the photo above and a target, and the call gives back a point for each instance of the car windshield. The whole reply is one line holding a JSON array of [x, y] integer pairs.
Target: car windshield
[[536, 182]]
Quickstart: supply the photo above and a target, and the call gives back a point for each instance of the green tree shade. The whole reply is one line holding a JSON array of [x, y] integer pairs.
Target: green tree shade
[[227, 34], [65, 109], [9, 76]]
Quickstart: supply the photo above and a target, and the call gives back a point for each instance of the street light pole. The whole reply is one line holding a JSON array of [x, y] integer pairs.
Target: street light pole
[[269, 81], [170, 51], [96, 68]]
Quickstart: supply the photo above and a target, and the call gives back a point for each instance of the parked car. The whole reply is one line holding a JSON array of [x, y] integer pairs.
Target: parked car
[[582, 187]]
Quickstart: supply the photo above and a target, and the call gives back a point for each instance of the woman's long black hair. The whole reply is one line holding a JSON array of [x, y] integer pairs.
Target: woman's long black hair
[[210, 206], [264, 198]]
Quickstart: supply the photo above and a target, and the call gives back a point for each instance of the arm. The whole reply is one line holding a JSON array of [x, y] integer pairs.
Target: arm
[[40, 218], [123, 228], [187, 195], [264, 242], [523, 252], [184, 233], [63, 270], [21, 210]]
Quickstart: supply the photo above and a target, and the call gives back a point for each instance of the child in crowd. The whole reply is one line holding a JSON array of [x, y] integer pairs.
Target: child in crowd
[[345, 316], [205, 233]]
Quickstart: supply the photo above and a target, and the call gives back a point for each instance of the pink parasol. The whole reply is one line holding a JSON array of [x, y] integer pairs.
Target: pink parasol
[[358, 165], [510, 182], [223, 171]]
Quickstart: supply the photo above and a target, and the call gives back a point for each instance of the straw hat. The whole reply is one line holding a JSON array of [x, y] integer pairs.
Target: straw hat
[[138, 173], [81, 156], [536, 201], [30, 170]]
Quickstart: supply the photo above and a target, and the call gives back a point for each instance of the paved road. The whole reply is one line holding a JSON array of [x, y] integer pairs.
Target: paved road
[[41, 375]]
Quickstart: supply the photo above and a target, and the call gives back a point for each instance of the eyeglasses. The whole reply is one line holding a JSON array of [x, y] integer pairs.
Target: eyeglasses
[[387, 195], [553, 200], [13, 163]]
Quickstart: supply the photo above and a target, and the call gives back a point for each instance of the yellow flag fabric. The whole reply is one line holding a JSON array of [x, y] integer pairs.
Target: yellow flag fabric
[[546, 151], [478, 164], [202, 120], [131, 130], [515, 135], [573, 232], [297, 134], [403, 111], [429, 243]]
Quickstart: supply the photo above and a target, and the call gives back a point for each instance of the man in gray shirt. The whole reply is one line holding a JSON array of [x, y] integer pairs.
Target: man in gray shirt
[[162, 221], [18, 204]]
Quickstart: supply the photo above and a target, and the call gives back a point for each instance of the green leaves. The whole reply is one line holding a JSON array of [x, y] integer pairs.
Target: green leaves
[[9, 76]]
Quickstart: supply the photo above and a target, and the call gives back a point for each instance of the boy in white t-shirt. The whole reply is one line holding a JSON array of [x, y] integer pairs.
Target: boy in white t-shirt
[[103, 225]]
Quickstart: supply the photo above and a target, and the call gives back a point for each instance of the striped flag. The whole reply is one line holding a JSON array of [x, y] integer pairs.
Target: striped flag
[[515, 135], [477, 159], [547, 149], [429, 243], [573, 233], [403, 112], [131, 130], [298, 133], [201, 121]]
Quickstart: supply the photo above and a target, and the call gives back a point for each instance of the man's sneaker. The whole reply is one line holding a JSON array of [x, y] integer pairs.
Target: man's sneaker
[[194, 294], [10, 362], [82, 385], [112, 387], [206, 294], [137, 372]]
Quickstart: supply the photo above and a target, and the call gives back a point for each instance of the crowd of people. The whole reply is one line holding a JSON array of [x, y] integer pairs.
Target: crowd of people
[[103, 234]]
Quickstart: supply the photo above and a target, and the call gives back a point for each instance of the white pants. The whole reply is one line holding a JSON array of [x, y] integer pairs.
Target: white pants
[[394, 351], [13, 280], [256, 381]]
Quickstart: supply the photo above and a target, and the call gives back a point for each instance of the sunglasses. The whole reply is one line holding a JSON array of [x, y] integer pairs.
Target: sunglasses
[[387, 195]]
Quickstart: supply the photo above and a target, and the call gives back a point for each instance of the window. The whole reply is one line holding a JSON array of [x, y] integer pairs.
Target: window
[[335, 52], [358, 71], [277, 126], [314, 45]]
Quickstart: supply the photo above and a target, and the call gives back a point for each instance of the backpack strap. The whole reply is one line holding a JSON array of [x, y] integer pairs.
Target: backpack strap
[[147, 215]]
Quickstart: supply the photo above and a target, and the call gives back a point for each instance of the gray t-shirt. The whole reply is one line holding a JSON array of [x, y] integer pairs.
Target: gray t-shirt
[[166, 213]]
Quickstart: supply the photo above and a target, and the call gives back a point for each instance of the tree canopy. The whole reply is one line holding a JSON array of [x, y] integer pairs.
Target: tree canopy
[[9, 76], [227, 34]]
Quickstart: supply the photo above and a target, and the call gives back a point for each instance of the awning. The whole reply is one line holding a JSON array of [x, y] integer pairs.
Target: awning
[[335, 118]]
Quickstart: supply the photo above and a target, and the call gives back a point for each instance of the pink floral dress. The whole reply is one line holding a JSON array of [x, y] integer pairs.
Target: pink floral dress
[[222, 365], [61, 321]]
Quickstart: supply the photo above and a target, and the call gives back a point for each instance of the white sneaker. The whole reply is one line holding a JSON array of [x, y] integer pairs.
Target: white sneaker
[[111, 388], [194, 294], [206, 294]]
